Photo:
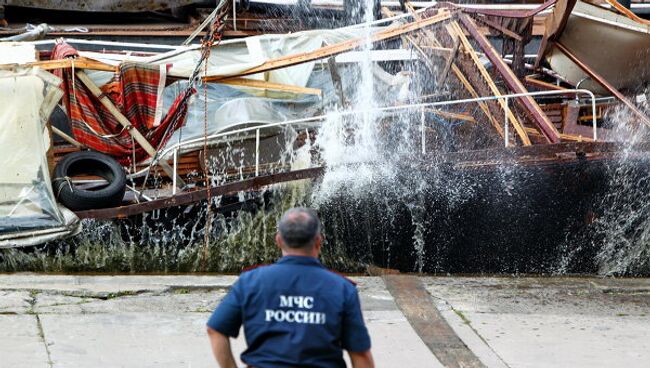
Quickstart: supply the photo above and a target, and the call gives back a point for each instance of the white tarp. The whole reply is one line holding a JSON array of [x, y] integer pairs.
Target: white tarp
[[29, 213], [231, 57], [234, 108]]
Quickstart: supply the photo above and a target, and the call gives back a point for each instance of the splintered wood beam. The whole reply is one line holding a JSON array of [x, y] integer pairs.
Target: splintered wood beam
[[252, 83], [336, 80], [482, 105], [450, 60], [414, 44], [545, 85], [565, 137], [337, 48], [452, 115], [527, 103], [499, 28], [66, 137], [603, 82], [80, 63], [142, 141], [433, 41], [456, 32]]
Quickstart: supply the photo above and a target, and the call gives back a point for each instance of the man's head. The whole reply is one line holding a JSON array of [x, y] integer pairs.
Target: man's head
[[299, 232]]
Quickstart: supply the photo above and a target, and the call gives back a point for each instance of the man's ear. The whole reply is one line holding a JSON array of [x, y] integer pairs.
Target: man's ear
[[318, 241], [278, 240]]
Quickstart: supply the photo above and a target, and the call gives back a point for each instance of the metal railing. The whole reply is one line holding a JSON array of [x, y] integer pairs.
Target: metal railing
[[236, 135]]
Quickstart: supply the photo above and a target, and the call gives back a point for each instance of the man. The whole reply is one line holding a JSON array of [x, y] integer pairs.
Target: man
[[295, 312]]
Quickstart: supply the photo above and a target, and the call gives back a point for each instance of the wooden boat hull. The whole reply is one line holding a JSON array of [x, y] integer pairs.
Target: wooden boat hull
[[543, 216]]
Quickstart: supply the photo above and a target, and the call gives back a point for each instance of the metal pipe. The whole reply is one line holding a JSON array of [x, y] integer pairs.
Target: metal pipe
[[506, 131], [424, 137], [175, 172], [33, 34], [257, 152]]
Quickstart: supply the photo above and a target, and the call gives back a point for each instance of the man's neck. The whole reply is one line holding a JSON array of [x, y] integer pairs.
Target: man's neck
[[300, 254]]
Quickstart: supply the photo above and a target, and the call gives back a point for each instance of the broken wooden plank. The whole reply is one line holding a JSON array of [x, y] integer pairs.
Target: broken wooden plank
[[431, 38], [564, 136], [78, 63], [65, 137], [142, 141], [541, 84], [454, 29], [442, 78], [201, 194], [482, 104], [336, 80], [452, 115], [499, 28], [420, 310], [253, 83], [337, 48], [527, 102]]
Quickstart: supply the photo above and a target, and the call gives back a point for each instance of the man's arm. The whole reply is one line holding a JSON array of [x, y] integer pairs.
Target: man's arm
[[224, 323], [362, 359], [221, 349], [354, 334]]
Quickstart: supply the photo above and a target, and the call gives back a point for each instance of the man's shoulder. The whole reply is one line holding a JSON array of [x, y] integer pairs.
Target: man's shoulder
[[255, 267], [259, 270]]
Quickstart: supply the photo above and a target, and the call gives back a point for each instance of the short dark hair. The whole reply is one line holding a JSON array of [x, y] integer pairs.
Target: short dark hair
[[299, 227]]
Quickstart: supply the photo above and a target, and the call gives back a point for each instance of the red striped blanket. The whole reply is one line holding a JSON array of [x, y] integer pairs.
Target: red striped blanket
[[136, 92]]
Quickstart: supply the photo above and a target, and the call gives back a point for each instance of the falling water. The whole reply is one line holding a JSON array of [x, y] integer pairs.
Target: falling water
[[381, 203], [624, 223]]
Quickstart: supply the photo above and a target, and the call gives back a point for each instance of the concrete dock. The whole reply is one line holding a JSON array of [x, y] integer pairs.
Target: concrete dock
[[158, 321]]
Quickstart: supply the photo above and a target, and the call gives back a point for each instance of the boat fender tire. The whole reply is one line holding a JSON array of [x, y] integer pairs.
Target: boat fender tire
[[89, 163]]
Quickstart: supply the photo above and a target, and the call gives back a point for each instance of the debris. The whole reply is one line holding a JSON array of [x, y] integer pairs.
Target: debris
[[191, 121]]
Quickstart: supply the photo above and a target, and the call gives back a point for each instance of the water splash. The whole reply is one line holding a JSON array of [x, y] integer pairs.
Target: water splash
[[623, 227]]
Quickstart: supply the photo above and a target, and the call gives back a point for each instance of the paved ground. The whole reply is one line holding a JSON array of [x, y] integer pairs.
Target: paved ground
[[158, 321]]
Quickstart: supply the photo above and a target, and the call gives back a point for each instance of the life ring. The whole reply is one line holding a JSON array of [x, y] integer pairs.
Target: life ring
[[93, 164]]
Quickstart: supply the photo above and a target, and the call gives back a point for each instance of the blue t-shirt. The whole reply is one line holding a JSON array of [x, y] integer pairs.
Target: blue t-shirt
[[295, 313]]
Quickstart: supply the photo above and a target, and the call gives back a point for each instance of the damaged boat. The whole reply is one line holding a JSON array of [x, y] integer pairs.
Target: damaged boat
[[139, 132]]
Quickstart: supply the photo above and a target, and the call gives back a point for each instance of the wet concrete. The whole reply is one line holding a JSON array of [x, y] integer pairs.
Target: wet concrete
[[158, 321]]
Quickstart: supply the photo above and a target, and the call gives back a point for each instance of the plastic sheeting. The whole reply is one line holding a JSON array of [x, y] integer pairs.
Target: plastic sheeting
[[236, 107], [233, 57], [29, 213]]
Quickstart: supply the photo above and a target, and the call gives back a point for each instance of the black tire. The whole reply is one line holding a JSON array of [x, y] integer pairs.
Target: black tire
[[89, 163]]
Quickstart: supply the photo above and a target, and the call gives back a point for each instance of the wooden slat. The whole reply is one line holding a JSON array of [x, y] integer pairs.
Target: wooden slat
[[337, 48], [80, 63], [253, 83], [454, 28], [431, 38], [527, 103], [541, 84], [452, 115], [563, 136], [499, 28]]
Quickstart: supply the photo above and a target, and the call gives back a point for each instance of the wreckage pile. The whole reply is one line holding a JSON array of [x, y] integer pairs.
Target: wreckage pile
[[141, 128]]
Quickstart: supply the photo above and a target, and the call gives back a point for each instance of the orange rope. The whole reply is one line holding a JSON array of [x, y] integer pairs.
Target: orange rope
[[207, 44]]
